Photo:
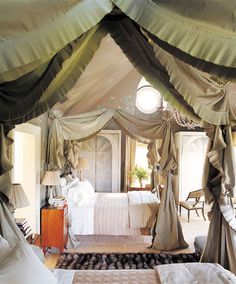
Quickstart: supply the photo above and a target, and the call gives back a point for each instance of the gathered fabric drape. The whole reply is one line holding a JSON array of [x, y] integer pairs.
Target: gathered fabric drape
[[26, 43], [8, 228], [199, 32], [167, 232], [219, 183], [84, 126], [37, 91], [33, 92]]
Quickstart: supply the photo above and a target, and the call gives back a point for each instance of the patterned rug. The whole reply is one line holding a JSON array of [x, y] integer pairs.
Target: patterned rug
[[104, 261]]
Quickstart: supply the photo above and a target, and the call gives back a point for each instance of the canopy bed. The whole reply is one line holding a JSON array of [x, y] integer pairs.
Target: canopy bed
[[81, 127], [95, 213], [182, 48]]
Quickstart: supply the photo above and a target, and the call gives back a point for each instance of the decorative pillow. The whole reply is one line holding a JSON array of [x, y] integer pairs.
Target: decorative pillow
[[21, 266], [68, 186], [4, 248], [80, 192]]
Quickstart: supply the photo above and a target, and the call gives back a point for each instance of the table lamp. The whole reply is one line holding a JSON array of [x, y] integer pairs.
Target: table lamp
[[18, 197], [51, 178]]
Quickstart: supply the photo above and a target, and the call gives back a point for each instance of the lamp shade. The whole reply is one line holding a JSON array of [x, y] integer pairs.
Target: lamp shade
[[18, 198], [82, 164], [51, 178]]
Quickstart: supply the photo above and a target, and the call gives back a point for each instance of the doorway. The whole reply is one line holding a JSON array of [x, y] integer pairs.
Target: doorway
[[26, 171]]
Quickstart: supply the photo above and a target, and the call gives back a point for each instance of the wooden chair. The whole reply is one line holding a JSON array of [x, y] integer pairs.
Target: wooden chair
[[195, 204]]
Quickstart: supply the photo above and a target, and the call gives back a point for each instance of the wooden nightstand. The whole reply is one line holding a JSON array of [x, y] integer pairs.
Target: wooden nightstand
[[54, 227]]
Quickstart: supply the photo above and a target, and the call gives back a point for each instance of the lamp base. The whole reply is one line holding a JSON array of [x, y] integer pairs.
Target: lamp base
[[50, 199]]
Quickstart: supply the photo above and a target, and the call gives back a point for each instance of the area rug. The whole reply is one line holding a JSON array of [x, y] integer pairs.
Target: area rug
[[103, 261]]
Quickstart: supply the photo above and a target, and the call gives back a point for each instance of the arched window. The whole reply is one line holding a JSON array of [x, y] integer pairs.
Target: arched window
[[148, 99]]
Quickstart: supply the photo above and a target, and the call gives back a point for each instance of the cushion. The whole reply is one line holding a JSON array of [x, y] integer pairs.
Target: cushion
[[21, 266], [80, 192], [189, 204], [66, 188]]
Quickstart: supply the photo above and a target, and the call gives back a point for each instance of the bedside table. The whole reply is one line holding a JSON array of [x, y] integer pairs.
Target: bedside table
[[54, 227]]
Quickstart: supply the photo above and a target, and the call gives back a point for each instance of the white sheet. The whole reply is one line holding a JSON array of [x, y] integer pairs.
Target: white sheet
[[81, 219]]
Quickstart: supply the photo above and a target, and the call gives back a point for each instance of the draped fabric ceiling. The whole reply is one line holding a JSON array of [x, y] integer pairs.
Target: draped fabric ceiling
[[184, 49]]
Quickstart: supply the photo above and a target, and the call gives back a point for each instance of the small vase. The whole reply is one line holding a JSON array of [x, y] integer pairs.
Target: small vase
[[140, 182]]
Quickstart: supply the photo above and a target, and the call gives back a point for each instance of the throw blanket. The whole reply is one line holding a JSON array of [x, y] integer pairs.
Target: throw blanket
[[187, 273], [143, 208]]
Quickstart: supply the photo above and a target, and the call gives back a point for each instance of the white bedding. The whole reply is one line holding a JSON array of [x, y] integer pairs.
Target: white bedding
[[143, 209], [181, 273], [113, 213]]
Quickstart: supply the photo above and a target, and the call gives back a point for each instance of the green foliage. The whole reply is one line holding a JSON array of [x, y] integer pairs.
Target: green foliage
[[139, 173]]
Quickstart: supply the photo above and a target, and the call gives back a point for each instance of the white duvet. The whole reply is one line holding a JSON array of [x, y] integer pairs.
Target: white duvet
[[113, 213]]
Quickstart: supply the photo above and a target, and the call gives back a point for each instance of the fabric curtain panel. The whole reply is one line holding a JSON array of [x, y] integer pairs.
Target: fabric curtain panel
[[71, 150], [38, 91], [85, 126], [167, 232], [5, 163], [219, 183], [26, 43], [210, 99], [188, 27], [140, 53], [8, 228]]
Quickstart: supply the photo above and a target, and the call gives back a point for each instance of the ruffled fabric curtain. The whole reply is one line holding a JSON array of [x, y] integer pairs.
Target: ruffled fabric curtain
[[219, 183], [201, 33], [167, 232], [8, 228], [40, 75], [85, 126]]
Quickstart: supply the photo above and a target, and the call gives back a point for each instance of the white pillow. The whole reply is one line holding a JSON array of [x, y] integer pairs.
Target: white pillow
[[21, 266], [4, 248], [80, 192], [65, 188]]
